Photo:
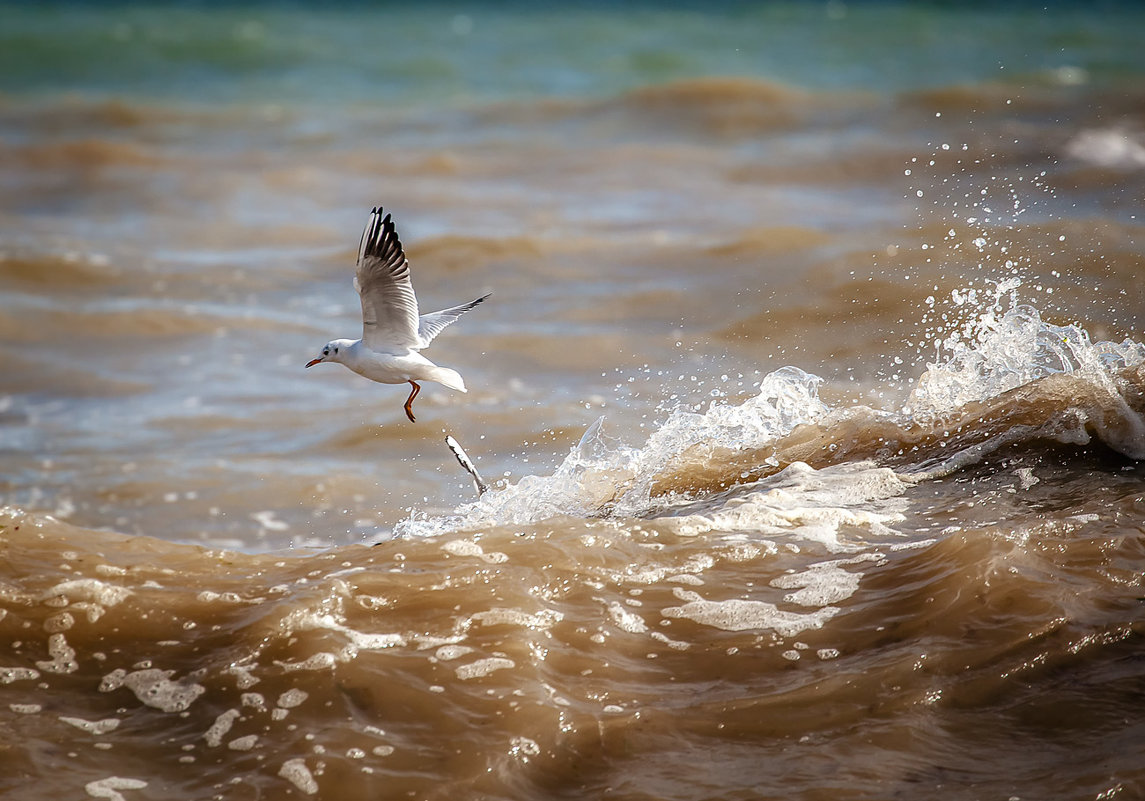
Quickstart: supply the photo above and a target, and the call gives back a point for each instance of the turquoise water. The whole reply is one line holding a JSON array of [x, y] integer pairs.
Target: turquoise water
[[427, 53]]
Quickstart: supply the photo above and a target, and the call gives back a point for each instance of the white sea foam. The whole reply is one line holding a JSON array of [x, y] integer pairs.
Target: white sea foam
[[323, 660], [812, 505], [58, 623], [523, 747], [109, 788], [154, 688], [625, 620], [483, 667], [292, 698], [92, 726], [820, 585], [209, 596], [462, 548], [244, 676], [447, 653], [221, 727], [297, 773], [736, 614], [471, 548], [359, 640], [538, 621], [11, 674], [87, 589], [63, 656]]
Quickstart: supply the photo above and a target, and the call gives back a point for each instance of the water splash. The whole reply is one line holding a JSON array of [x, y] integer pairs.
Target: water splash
[[601, 475], [995, 354]]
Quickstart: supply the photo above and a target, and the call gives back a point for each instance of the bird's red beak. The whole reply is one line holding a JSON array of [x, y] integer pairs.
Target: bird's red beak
[[313, 362]]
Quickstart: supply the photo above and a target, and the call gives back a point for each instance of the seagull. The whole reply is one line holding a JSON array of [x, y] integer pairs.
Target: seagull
[[392, 329]]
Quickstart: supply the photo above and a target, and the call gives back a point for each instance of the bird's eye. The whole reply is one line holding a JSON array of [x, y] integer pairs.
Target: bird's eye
[[325, 353]]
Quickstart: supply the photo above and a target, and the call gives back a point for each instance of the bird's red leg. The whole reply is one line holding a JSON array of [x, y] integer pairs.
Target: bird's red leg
[[409, 401]]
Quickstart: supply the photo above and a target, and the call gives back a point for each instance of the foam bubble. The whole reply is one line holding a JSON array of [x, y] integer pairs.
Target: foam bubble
[[483, 667], [109, 788], [820, 585], [110, 570], [539, 621], [739, 615], [803, 503], [58, 623], [625, 620], [87, 589], [523, 747], [210, 596], [11, 674], [92, 726], [296, 772], [462, 548], [154, 688], [308, 621], [244, 676], [221, 727], [63, 656], [323, 660], [292, 698], [675, 645], [447, 653]]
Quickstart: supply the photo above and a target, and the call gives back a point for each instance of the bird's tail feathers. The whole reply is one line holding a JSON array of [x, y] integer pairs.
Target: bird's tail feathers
[[450, 378]]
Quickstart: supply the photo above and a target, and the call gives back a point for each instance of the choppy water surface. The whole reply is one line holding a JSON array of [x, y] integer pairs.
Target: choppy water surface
[[811, 391]]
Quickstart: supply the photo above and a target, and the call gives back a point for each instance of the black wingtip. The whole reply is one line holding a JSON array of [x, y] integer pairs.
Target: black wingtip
[[380, 239], [475, 303]]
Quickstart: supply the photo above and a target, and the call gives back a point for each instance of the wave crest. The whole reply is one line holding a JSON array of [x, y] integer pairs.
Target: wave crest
[[1010, 379]]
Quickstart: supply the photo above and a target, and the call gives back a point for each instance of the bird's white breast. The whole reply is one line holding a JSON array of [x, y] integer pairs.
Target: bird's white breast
[[388, 368]]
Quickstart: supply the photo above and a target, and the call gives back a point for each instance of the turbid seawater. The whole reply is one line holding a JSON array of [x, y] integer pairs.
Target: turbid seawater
[[810, 394]]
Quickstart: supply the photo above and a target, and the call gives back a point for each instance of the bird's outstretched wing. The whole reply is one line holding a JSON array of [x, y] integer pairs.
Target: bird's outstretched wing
[[389, 307], [430, 325]]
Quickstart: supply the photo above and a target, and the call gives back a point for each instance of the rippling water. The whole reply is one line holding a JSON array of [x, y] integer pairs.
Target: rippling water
[[811, 394]]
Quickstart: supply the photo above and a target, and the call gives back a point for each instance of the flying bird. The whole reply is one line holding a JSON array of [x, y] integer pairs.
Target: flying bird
[[393, 331]]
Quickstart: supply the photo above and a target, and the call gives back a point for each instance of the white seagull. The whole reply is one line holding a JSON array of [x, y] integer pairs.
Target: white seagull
[[392, 330]]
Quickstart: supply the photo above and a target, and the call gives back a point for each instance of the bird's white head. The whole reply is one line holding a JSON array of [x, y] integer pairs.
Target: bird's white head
[[333, 351]]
